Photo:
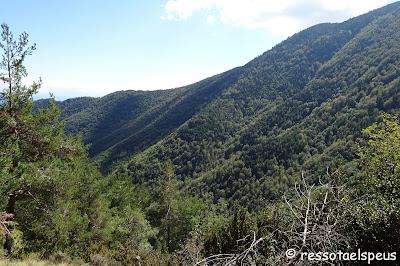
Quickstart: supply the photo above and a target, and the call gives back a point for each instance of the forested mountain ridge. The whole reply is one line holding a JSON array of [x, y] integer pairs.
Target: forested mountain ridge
[[230, 170], [127, 122], [246, 134]]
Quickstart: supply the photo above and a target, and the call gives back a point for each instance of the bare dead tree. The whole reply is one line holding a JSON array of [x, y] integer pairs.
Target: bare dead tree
[[313, 220], [319, 219], [190, 250], [247, 256]]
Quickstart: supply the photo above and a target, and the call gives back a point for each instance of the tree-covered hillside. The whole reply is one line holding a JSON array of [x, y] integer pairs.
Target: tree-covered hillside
[[298, 151], [247, 133]]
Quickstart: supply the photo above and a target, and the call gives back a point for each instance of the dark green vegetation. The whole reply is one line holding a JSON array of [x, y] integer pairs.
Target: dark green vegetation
[[201, 170], [246, 134]]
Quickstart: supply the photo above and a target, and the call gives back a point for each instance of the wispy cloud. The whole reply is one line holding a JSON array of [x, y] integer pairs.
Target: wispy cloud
[[283, 17], [211, 19]]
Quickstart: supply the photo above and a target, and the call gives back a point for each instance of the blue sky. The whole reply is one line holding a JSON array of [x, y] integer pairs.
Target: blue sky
[[92, 48]]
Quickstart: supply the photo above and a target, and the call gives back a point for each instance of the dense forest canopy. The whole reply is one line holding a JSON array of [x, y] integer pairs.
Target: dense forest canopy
[[246, 134], [298, 149]]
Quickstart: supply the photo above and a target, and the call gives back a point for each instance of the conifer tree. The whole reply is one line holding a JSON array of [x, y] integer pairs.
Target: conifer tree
[[32, 144]]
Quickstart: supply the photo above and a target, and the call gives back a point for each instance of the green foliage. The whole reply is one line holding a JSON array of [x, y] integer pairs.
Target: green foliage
[[378, 213], [273, 121], [47, 183], [10, 235], [229, 237], [245, 134], [69, 217], [128, 226], [175, 215], [55, 200], [381, 156], [181, 158]]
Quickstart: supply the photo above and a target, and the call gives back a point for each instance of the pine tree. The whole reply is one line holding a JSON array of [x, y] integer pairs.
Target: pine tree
[[33, 146]]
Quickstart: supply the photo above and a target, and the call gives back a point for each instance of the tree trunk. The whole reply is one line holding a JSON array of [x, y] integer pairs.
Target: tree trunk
[[10, 210], [11, 203], [8, 244]]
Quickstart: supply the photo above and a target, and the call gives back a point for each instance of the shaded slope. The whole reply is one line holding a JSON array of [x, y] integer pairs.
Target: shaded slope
[[246, 134], [159, 121], [299, 106], [125, 123]]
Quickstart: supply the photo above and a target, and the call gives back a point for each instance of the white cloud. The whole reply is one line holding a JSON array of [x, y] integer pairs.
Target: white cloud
[[211, 19], [282, 17]]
